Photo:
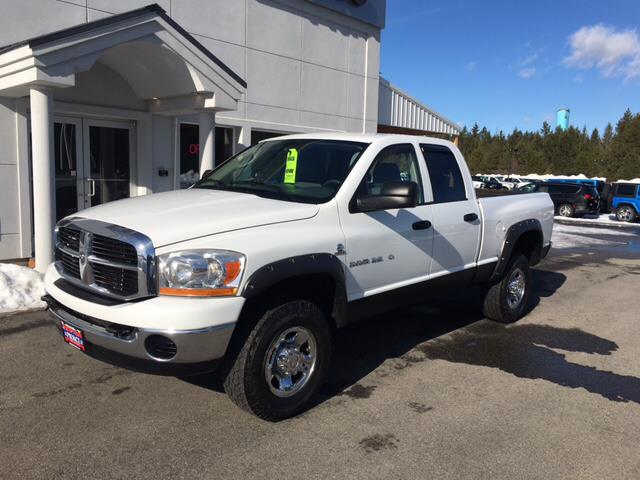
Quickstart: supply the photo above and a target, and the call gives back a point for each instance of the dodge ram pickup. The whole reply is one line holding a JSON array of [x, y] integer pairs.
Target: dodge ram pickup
[[254, 269]]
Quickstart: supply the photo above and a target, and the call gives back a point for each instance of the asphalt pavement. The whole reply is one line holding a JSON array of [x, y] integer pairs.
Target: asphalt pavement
[[432, 391]]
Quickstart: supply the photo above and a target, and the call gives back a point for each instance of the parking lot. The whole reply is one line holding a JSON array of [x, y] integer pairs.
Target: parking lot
[[432, 391]]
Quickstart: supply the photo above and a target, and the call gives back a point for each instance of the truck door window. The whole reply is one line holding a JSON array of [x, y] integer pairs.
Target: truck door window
[[444, 173], [397, 163]]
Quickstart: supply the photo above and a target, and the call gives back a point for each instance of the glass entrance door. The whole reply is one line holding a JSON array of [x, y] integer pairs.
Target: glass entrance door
[[108, 152], [93, 163], [67, 143]]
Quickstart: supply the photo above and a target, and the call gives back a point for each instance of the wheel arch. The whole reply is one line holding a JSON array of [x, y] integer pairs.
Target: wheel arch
[[627, 204], [317, 277], [523, 237]]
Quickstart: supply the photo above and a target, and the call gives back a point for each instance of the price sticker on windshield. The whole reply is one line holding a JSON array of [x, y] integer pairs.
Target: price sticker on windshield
[[291, 166]]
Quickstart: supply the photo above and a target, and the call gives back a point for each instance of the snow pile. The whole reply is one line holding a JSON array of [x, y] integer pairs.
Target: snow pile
[[20, 289]]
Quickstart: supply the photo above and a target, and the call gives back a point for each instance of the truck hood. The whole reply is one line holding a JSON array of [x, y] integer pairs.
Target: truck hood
[[176, 216]]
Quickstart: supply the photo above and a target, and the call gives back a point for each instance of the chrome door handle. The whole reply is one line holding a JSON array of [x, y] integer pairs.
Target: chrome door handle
[[92, 193]]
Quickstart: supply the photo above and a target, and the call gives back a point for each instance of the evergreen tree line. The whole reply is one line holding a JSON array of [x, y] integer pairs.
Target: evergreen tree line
[[614, 154]]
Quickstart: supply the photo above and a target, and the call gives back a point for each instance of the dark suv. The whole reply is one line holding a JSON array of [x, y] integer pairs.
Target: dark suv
[[570, 199]]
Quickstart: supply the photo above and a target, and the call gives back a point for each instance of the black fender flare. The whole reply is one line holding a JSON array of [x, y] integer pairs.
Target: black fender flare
[[511, 238], [299, 266]]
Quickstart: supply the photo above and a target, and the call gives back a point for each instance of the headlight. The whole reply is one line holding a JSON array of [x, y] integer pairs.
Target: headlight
[[200, 273]]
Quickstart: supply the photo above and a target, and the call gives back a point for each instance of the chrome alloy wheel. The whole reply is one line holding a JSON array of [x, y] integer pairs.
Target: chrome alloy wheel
[[565, 211], [515, 288], [624, 214], [290, 361]]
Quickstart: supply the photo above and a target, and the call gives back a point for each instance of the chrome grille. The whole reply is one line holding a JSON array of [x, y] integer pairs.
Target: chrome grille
[[70, 264], [69, 237], [118, 280], [114, 250], [108, 259]]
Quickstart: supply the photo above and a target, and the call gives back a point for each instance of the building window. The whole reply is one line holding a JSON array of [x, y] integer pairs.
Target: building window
[[190, 151]]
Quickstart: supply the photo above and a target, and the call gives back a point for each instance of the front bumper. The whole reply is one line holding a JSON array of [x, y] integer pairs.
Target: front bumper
[[195, 350]]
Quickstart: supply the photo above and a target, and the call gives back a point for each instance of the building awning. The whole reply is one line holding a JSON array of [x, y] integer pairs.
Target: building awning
[[161, 61], [400, 113]]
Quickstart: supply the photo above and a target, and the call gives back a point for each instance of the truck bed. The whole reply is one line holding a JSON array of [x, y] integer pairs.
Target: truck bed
[[504, 209]]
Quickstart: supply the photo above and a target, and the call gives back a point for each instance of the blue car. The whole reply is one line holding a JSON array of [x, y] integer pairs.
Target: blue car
[[626, 201]]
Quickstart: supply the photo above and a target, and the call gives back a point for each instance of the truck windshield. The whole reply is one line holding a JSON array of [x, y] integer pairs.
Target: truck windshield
[[298, 170]]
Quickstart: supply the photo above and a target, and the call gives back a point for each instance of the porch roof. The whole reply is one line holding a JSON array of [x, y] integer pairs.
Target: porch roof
[[155, 55]]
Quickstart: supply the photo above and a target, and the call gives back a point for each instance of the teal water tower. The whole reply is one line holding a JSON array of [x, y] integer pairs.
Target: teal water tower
[[562, 119]]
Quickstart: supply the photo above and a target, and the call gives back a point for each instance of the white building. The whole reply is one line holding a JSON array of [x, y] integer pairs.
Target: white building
[[100, 102]]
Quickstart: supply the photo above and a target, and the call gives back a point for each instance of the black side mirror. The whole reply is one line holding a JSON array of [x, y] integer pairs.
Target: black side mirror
[[206, 172], [393, 195]]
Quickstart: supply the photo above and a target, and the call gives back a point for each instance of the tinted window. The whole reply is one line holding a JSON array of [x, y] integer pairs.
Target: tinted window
[[531, 187], [626, 189], [444, 173], [397, 163], [563, 188]]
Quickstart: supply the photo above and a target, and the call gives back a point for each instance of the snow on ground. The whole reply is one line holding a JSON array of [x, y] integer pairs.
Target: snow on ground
[[20, 289], [572, 236], [608, 219]]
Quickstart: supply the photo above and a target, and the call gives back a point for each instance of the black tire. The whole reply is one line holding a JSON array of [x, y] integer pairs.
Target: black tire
[[626, 213], [566, 210], [498, 304], [246, 382]]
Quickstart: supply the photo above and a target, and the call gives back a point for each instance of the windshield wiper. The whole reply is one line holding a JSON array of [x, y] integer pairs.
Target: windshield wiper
[[268, 186]]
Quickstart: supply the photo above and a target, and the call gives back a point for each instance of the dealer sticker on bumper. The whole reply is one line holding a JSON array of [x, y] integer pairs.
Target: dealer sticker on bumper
[[73, 336]]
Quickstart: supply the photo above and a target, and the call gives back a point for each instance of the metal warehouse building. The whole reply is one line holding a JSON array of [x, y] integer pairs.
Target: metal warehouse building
[[106, 99]]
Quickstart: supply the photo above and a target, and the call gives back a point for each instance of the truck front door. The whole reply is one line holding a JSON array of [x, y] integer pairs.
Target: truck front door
[[387, 249]]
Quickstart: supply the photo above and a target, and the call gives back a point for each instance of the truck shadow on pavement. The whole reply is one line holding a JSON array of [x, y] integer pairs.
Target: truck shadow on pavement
[[451, 327]]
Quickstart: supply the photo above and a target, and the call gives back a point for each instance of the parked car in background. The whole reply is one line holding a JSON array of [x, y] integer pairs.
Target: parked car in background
[[604, 190], [569, 199], [513, 182], [478, 182], [626, 201], [491, 182]]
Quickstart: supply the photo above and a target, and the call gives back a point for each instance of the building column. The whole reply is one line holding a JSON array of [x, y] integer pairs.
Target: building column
[[207, 131], [44, 200]]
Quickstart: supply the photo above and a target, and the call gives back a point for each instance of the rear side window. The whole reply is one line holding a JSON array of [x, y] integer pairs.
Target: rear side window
[[444, 173], [626, 190], [564, 188]]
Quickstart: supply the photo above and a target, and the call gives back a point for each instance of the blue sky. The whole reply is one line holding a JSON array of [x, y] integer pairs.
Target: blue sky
[[507, 64]]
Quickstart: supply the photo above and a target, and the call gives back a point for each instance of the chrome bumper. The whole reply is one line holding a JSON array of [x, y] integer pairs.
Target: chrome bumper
[[192, 346]]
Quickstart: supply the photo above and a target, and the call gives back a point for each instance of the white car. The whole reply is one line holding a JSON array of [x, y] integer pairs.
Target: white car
[[253, 269], [514, 182]]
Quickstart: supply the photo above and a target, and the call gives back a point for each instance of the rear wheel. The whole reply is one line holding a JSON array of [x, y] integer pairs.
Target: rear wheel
[[625, 213], [506, 301], [282, 362], [566, 210]]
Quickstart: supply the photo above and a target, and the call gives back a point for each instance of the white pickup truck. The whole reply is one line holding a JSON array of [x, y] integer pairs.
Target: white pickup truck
[[254, 269]]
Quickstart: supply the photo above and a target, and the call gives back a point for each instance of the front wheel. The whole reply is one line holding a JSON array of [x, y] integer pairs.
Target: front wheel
[[506, 301], [282, 362], [625, 213]]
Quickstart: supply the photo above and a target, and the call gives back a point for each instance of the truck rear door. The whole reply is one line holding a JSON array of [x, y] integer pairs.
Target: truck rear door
[[456, 214]]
